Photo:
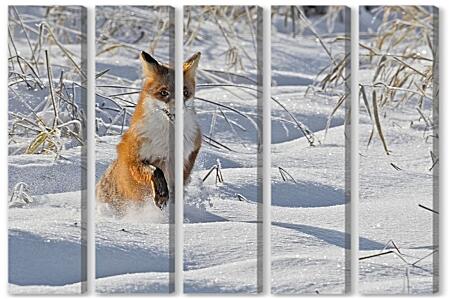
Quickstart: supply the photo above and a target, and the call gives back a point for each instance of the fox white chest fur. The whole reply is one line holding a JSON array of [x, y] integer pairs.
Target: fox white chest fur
[[157, 128]]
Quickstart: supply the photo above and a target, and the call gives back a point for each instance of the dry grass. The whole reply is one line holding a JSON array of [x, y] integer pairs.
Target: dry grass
[[40, 46], [124, 27], [235, 24], [331, 80], [402, 54]]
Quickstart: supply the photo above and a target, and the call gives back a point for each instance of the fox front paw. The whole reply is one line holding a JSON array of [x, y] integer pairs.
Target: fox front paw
[[161, 191]]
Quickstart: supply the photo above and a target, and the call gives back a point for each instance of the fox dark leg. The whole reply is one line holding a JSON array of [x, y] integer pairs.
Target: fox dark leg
[[161, 190]]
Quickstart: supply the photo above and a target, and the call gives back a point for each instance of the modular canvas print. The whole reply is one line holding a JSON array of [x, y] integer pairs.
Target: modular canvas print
[[245, 113]]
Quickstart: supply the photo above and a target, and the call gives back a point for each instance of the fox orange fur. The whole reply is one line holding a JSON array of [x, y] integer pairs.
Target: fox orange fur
[[144, 168]]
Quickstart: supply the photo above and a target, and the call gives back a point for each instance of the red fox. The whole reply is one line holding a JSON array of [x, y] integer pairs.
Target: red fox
[[144, 166]]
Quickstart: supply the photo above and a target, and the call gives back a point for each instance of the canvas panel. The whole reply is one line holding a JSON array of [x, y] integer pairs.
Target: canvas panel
[[399, 157], [310, 109], [134, 143], [47, 149], [222, 198]]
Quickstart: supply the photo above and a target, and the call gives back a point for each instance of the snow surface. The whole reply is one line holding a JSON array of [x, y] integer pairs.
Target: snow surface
[[389, 200]]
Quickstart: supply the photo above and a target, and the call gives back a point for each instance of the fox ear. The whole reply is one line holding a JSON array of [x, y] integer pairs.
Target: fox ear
[[191, 64], [150, 65]]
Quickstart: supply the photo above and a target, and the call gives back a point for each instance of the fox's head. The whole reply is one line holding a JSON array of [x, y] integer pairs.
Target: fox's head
[[160, 79]]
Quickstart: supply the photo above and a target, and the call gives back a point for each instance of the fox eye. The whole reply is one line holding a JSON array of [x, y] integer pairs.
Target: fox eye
[[164, 93], [186, 93]]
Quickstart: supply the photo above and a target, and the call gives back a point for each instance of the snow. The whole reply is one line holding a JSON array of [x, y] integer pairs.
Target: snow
[[389, 208], [50, 229]]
